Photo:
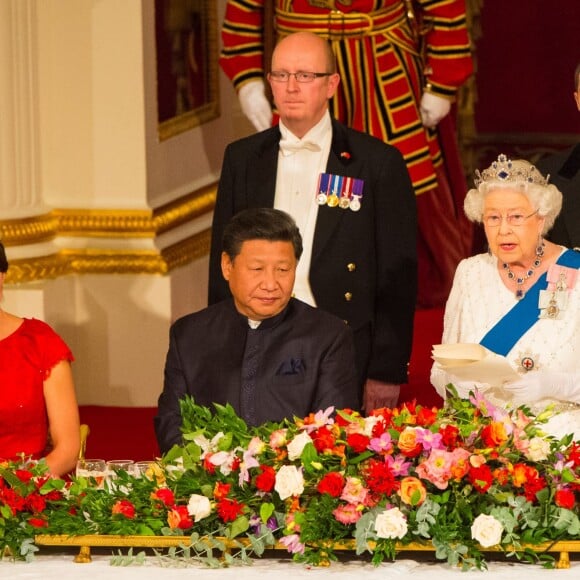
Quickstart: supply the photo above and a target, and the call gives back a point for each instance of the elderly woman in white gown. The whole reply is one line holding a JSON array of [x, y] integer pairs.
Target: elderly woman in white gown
[[521, 299]]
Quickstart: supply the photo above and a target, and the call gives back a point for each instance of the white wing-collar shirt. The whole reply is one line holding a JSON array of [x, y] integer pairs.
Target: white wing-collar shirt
[[296, 189]]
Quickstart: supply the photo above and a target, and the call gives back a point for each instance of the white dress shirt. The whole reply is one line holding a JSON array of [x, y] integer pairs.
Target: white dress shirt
[[296, 189]]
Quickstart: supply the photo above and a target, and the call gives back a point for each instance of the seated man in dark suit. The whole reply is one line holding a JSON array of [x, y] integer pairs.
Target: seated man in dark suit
[[267, 354]]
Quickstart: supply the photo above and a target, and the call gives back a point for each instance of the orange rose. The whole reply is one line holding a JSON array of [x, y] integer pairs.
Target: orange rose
[[520, 474], [408, 442], [412, 491], [459, 469], [494, 434]]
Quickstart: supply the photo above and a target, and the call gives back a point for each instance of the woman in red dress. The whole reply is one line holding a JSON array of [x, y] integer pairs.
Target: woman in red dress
[[37, 395]]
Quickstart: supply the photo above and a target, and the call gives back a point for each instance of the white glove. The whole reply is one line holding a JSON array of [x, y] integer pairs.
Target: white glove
[[255, 105], [537, 385], [433, 109]]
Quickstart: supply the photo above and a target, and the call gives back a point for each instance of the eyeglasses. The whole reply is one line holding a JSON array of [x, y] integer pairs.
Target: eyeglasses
[[282, 76], [513, 219]]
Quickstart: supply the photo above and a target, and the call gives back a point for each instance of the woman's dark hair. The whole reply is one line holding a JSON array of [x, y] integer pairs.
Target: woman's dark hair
[[3, 260], [263, 223]]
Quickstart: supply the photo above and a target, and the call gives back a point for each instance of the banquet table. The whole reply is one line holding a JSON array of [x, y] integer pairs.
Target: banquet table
[[60, 566]]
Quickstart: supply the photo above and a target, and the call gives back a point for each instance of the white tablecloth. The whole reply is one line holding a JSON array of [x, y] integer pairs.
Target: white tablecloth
[[61, 567]]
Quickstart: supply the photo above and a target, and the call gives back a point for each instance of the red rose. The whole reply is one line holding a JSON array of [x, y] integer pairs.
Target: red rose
[[340, 419], [266, 479], [481, 477], [23, 475], [14, 501], [358, 442], [449, 436], [125, 508], [221, 490], [38, 523], [229, 509], [323, 439], [332, 484], [380, 478], [53, 495], [426, 417], [36, 503], [574, 454], [565, 498], [532, 487], [164, 495], [178, 517]]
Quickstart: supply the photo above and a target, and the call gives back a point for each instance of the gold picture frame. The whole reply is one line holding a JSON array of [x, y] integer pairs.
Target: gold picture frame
[[187, 65]]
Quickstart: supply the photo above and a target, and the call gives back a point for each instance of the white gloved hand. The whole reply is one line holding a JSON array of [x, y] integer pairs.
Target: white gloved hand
[[255, 105], [537, 385], [433, 109]]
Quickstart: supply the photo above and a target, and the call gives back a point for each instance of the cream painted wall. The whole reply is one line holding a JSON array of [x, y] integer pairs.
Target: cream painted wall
[[98, 110], [99, 149], [192, 159]]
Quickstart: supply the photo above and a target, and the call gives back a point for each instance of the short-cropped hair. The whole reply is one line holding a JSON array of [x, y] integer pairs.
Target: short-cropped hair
[[263, 223]]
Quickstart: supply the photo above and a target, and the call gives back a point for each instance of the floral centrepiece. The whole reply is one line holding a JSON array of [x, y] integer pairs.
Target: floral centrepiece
[[460, 479]]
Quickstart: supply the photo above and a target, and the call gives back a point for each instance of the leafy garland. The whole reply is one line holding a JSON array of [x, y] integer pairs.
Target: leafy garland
[[461, 479]]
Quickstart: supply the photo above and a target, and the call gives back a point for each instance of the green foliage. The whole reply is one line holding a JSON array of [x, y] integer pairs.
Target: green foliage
[[448, 478]]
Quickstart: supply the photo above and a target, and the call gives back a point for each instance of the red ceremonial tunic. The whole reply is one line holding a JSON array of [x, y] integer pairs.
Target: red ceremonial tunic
[[378, 57], [27, 357]]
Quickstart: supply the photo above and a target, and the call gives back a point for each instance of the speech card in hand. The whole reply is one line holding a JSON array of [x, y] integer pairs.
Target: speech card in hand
[[473, 362]]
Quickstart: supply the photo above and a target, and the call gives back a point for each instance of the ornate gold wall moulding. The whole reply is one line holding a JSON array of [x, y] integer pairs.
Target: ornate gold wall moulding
[[184, 209], [101, 223], [108, 223], [123, 224], [84, 262], [187, 250], [30, 230], [135, 223], [92, 261]]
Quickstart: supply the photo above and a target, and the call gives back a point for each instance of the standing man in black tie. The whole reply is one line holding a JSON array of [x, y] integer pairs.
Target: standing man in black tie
[[353, 201], [267, 354]]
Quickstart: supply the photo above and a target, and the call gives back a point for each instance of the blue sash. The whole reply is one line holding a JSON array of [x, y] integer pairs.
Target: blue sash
[[502, 337]]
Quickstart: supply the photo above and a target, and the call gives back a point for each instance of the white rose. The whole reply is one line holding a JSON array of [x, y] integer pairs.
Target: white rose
[[296, 446], [486, 530], [538, 449], [369, 424], [199, 507], [391, 524], [289, 481]]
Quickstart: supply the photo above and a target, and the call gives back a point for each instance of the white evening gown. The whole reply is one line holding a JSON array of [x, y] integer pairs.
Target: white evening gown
[[477, 301]]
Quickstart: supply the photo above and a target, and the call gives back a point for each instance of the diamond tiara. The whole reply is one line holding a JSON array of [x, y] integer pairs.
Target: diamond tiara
[[506, 170]]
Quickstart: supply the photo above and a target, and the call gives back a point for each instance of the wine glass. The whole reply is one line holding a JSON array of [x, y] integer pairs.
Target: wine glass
[[115, 465], [93, 469], [143, 468]]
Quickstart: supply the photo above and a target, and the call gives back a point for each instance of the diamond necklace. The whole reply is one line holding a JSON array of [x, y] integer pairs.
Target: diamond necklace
[[530, 272]]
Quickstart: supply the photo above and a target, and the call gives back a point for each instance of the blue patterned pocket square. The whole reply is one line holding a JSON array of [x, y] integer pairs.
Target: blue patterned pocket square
[[294, 366]]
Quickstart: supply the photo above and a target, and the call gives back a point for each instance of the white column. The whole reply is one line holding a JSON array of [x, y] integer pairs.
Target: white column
[[20, 194]]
